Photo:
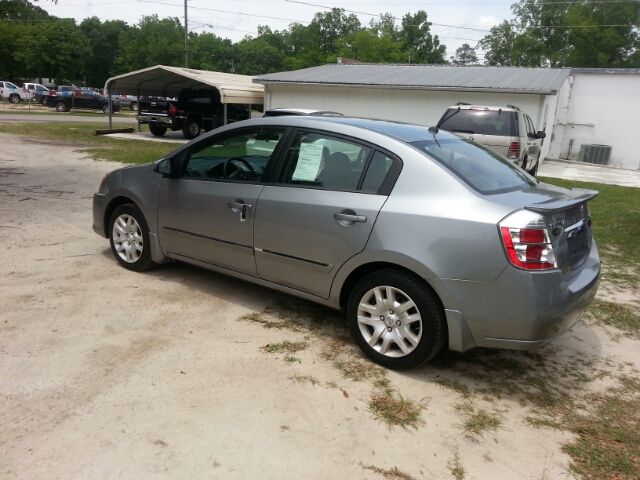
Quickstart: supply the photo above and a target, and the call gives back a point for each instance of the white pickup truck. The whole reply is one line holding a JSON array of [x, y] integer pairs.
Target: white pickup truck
[[14, 93]]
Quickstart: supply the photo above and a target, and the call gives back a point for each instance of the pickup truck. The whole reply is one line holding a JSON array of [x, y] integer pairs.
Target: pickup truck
[[82, 101], [14, 93], [40, 91], [196, 109]]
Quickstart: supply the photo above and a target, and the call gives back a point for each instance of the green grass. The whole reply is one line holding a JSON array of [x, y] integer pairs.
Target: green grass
[[82, 136], [616, 220], [615, 315]]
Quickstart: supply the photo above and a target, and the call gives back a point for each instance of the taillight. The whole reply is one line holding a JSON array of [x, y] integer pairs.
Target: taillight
[[172, 110], [514, 150], [527, 242]]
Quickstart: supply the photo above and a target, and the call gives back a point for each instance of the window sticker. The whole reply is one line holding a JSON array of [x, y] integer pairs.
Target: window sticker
[[309, 162]]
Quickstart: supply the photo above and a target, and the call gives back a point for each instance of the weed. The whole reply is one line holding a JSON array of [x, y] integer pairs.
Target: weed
[[290, 359], [395, 410], [284, 347], [392, 474], [304, 379], [455, 467], [478, 420]]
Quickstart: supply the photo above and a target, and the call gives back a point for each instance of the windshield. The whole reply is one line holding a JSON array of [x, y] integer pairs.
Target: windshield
[[482, 169], [481, 122]]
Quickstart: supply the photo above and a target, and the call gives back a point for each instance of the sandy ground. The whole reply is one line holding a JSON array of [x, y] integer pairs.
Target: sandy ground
[[106, 373]]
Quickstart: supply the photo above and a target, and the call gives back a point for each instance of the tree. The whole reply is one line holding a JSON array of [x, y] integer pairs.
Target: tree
[[465, 55], [555, 33], [153, 42], [418, 41], [100, 64], [366, 46], [328, 27]]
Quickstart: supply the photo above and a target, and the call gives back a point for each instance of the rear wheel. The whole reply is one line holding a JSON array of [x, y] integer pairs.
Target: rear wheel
[[61, 107], [14, 98], [396, 320], [134, 106], [191, 129], [43, 101], [129, 237], [105, 109], [157, 130]]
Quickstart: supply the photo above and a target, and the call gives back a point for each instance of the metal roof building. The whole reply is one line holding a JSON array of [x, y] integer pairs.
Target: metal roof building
[[415, 93]]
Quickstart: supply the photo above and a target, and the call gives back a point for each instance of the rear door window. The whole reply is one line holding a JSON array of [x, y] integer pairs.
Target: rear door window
[[481, 122], [479, 167]]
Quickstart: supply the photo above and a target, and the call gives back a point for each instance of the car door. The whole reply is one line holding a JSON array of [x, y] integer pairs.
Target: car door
[[207, 212], [533, 142], [319, 212]]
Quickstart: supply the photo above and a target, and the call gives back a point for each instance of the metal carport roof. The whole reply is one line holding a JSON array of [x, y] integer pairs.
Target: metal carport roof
[[541, 81], [169, 81]]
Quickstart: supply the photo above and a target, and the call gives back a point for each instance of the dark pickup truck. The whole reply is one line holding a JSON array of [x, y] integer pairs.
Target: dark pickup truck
[[195, 110]]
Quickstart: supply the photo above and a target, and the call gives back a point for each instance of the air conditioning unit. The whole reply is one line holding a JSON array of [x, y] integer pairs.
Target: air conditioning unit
[[597, 154]]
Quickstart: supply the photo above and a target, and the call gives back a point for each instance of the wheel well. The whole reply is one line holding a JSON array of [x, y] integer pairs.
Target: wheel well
[[364, 270], [194, 116], [113, 204]]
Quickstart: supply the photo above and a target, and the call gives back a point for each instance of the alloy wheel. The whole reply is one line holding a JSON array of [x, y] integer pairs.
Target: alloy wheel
[[127, 238]]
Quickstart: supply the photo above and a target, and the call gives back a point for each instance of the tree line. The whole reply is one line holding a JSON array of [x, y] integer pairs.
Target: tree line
[[543, 33]]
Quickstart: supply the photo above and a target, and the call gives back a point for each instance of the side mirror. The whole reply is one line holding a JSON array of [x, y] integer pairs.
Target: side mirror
[[541, 134], [163, 166]]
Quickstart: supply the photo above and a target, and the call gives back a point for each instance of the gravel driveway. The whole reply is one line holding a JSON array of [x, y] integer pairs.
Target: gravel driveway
[[105, 373]]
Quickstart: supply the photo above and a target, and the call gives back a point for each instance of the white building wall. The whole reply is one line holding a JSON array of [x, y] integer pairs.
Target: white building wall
[[422, 107], [598, 109]]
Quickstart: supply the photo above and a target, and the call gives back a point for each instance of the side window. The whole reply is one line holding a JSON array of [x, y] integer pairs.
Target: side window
[[530, 130], [242, 157], [322, 161], [376, 172]]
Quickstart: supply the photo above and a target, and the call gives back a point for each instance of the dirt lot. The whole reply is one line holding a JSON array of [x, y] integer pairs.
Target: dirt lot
[[180, 373]]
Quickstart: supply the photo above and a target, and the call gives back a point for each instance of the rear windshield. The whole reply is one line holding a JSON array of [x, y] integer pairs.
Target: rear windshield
[[482, 169], [481, 122]]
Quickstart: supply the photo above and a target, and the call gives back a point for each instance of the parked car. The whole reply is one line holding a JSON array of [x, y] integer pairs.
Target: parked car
[[40, 92], [82, 101], [421, 236], [14, 93], [196, 109], [279, 112], [507, 130], [130, 101]]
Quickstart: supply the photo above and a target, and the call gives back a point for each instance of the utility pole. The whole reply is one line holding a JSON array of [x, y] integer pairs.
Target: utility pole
[[186, 37]]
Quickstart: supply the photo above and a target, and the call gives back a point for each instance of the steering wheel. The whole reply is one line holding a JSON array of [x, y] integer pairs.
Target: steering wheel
[[231, 175]]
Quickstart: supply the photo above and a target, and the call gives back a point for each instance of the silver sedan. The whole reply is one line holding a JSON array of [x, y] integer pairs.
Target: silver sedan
[[422, 237]]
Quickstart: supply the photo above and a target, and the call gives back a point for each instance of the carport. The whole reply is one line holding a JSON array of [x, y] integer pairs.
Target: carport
[[164, 81]]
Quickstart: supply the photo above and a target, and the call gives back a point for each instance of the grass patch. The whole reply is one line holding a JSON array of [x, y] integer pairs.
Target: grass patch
[[284, 347], [97, 147], [616, 221], [393, 474], [395, 410], [478, 420], [615, 315]]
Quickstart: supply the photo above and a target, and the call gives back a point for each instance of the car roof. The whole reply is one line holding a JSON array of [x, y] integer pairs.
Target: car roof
[[301, 111], [405, 132]]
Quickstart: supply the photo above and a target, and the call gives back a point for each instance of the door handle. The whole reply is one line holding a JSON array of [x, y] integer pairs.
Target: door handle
[[241, 208], [349, 219]]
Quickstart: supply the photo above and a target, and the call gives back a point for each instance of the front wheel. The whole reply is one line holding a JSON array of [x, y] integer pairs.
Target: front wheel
[[129, 237], [14, 98], [134, 106], [396, 320], [43, 101], [61, 107], [105, 109]]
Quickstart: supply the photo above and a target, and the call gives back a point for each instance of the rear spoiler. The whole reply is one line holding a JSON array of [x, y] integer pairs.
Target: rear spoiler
[[574, 197]]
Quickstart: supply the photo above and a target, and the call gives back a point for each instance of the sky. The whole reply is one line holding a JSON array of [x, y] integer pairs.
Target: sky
[[456, 22]]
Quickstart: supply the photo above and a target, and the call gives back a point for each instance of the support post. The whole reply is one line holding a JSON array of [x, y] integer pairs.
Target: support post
[[186, 37], [225, 113], [138, 111], [110, 106]]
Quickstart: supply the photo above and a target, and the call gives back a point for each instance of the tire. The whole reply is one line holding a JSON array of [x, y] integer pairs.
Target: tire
[[420, 327], [134, 106], [129, 238], [61, 107], [191, 129], [43, 101], [157, 130], [14, 98], [105, 109]]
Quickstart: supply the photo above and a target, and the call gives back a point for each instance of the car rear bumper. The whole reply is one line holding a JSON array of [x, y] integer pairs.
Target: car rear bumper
[[156, 120], [521, 310], [99, 207]]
